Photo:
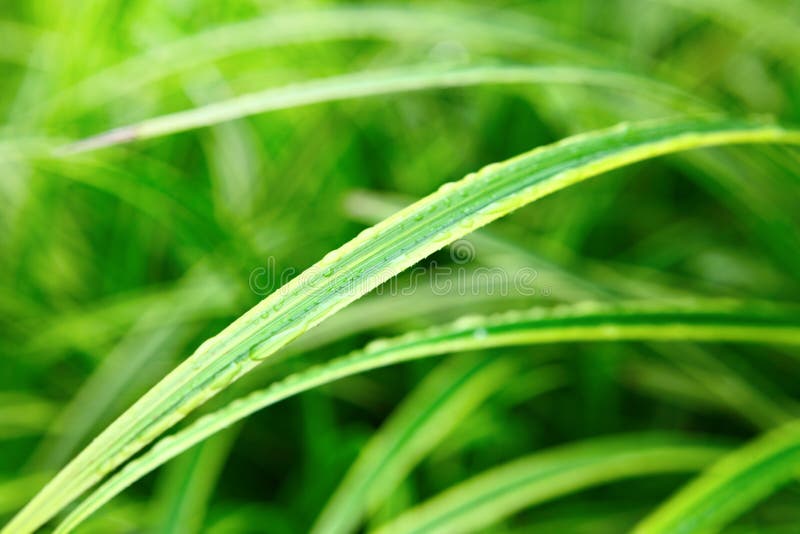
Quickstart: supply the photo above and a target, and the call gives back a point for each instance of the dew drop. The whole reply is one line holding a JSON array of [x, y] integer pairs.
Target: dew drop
[[331, 256], [447, 187], [444, 236], [491, 168], [253, 354], [623, 127], [366, 233], [377, 345], [468, 322], [225, 378], [471, 177]]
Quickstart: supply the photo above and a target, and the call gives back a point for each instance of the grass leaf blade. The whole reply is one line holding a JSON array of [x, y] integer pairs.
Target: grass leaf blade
[[365, 262], [731, 486], [368, 84], [700, 322], [540, 477]]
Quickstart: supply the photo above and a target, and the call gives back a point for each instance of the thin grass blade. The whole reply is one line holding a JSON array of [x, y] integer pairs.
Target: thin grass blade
[[434, 409], [373, 257], [360, 85], [731, 486], [495, 494], [720, 321]]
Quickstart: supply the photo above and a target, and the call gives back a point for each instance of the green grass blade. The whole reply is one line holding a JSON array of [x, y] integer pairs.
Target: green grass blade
[[727, 390], [782, 40], [710, 321], [186, 489], [370, 207], [731, 486], [477, 28], [427, 416], [362, 264], [723, 387], [360, 85], [495, 494]]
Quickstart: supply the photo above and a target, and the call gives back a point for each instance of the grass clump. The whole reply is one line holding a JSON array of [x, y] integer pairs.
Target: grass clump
[[180, 180]]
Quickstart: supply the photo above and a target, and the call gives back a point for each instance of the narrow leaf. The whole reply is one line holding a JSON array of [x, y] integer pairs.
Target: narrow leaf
[[430, 413], [373, 257], [721, 321], [360, 85], [731, 486], [495, 494]]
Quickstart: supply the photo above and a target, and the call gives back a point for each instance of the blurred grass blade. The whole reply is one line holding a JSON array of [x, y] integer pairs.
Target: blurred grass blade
[[495, 494], [731, 486], [186, 488], [360, 85], [18, 41], [436, 407], [763, 24], [23, 414], [362, 264], [726, 387], [14, 492], [476, 28], [709, 321]]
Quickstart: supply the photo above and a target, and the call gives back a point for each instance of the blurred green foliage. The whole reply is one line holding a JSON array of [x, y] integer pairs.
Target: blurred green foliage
[[115, 264]]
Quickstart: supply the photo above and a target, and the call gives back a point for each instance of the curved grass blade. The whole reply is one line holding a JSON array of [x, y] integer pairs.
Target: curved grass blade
[[778, 34], [435, 408], [698, 376], [478, 29], [709, 321], [186, 488], [370, 207], [731, 486], [499, 492], [764, 205], [371, 258], [152, 336], [360, 85]]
